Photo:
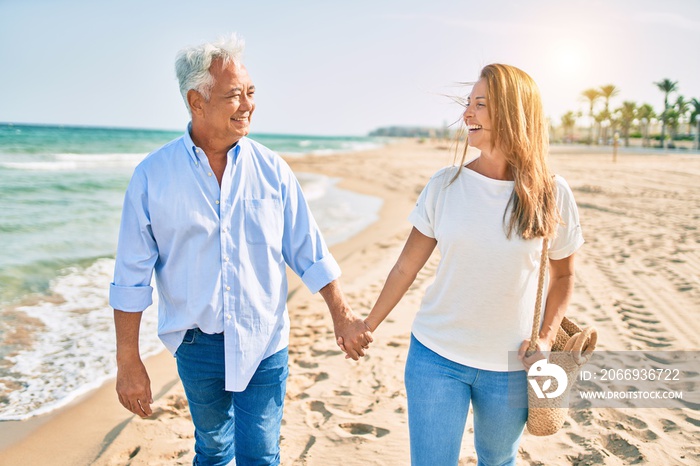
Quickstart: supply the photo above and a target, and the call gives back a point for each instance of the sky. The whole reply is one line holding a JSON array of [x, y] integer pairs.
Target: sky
[[329, 67]]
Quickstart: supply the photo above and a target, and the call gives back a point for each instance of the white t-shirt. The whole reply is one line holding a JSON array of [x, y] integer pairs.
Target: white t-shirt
[[482, 301]]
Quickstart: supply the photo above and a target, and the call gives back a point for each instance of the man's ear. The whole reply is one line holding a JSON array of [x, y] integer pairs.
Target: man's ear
[[195, 99]]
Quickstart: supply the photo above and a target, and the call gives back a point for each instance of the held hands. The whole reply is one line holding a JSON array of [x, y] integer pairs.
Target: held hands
[[529, 359], [134, 388], [353, 336]]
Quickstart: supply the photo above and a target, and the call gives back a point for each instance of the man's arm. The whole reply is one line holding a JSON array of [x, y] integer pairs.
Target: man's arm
[[131, 293], [347, 325], [133, 384], [306, 253]]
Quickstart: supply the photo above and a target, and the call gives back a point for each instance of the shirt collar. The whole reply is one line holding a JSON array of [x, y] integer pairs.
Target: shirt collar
[[195, 154]]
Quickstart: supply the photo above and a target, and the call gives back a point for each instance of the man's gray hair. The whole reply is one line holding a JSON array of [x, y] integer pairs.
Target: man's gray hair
[[192, 64]]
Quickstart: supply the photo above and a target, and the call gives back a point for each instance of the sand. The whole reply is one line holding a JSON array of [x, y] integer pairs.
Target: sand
[[637, 282]]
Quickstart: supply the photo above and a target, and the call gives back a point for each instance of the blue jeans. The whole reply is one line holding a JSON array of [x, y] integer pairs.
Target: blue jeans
[[439, 393], [242, 425]]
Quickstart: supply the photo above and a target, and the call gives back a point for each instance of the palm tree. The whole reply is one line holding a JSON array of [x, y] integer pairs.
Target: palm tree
[[591, 95], [694, 109], [644, 114], [607, 92], [627, 113], [602, 116], [694, 112], [666, 86], [568, 122], [682, 106], [673, 119]]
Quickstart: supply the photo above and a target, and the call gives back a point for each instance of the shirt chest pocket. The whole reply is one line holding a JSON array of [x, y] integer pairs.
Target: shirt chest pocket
[[264, 220]]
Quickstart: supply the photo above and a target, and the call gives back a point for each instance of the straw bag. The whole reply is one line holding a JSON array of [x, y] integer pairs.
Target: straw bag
[[572, 348]]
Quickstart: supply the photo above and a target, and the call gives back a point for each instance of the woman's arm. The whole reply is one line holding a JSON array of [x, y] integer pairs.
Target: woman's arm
[[561, 286], [415, 254]]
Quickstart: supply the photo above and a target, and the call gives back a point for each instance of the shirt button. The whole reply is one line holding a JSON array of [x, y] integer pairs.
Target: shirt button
[[228, 316], [225, 230], [217, 201], [226, 258], [228, 288], [209, 173]]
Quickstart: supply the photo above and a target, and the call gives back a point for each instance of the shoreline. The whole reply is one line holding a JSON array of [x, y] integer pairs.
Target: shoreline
[[634, 282]]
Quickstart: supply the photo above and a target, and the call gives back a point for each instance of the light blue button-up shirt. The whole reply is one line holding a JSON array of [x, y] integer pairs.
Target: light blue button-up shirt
[[218, 253]]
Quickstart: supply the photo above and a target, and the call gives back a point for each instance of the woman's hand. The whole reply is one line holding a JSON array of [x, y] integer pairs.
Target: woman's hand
[[360, 334], [528, 360]]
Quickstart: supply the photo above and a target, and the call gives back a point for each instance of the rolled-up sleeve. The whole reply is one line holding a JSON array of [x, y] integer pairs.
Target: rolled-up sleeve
[[303, 246], [130, 298], [321, 273], [137, 251]]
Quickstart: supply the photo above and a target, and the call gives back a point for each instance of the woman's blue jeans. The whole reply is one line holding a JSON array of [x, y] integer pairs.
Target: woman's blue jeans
[[242, 425], [439, 393]]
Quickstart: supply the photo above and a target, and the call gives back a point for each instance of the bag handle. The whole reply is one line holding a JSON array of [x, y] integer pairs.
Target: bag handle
[[538, 302]]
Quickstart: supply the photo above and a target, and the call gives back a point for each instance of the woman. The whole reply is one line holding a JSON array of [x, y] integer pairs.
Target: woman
[[488, 218]]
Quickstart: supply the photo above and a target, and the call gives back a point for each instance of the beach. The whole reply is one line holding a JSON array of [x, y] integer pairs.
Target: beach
[[637, 282]]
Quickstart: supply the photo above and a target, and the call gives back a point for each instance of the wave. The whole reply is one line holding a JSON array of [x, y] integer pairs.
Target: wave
[[71, 162], [314, 186], [342, 147]]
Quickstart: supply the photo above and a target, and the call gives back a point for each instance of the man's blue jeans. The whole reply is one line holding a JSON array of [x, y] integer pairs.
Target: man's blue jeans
[[439, 393], [242, 425]]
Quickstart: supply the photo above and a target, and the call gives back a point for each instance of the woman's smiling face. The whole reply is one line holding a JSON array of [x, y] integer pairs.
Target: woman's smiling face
[[476, 117]]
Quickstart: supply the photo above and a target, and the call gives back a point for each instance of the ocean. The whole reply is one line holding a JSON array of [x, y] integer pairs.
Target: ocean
[[61, 191]]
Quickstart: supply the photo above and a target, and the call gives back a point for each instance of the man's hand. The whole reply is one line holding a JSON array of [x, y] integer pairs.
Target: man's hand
[[133, 384], [134, 388], [353, 335]]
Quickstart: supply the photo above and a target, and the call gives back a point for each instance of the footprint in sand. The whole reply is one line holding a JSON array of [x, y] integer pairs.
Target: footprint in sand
[[631, 420], [307, 364], [669, 425], [367, 431], [317, 414], [582, 416], [175, 406], [318, 352], [134, 452], [623, 449], [298, 383], [693, 421], [620, 420], [176, 455], [310, 443]]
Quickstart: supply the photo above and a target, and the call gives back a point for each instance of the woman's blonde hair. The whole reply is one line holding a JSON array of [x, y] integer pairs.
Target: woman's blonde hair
[[519, 130]]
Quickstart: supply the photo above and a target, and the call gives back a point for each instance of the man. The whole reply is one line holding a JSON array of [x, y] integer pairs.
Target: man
[[217, 216]]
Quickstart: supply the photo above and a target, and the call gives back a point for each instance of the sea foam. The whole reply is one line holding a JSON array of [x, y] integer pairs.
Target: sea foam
[[75, 352]]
